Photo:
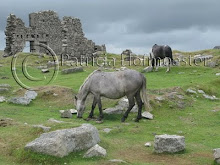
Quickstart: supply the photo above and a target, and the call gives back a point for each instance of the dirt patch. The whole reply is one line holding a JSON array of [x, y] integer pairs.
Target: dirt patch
[[141, 154], [5, 122]]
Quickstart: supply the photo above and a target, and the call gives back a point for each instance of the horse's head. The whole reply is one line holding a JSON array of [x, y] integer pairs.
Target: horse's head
[[80, 107]]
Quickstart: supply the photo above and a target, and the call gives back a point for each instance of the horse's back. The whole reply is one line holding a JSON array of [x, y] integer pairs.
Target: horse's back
[[116, 84]]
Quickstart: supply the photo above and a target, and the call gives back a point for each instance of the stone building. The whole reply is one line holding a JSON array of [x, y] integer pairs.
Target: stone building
[[63, 36]]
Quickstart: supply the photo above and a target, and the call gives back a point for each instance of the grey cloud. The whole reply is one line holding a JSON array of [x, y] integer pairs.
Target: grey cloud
[[136, 24]]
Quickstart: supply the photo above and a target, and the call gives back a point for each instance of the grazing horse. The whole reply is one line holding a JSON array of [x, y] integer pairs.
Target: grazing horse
[[159, 53], [113, 85]]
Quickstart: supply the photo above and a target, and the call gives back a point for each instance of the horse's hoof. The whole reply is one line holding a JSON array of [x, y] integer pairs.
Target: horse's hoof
[[136, 120], [122, 119]]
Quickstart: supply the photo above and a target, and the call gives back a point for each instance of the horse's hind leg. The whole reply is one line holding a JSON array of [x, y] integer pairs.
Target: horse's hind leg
[[93, 107], [131, 105], [139, 103]]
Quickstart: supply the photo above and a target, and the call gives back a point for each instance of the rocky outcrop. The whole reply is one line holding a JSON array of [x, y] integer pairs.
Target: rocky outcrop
[[62, 142]]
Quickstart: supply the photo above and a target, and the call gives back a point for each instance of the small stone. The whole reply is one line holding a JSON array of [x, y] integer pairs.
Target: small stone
[[210, 97], [217, 155], [147, 115], [159, 98], [44, 128], [107, 130], [191, 91], [148, 144], [73, 111], [95, 151], [30, 94], [66, 114], [2, 99], [3, 90], [55, 94], [45, 70], [148, 69], [217, 74], [201, 92]]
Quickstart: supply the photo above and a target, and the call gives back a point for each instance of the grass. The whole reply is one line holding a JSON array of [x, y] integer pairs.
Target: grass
[[196, 122]]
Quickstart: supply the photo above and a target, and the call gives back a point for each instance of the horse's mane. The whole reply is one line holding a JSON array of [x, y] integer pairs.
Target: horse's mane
[[87, 79]]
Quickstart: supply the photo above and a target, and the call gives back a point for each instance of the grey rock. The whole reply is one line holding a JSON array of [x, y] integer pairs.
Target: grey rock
[[2, 99], [117, 161], [42, 67], [51, 64], [114, 110], [20, 100], [45, 70], [148, 144], [210, 97], [201, 91], [66, 114], [217, 155], [191, 91], [73, 111], [147, 115], [200, 58], [44, 128], [62, 142], [169, 143], [107, 130], [95, 151], [212, 64], [180, 104], [30, 94], [121, 107], [72, 70], [1, 65], [217, 74], [159, 98], [3, 90], [55, 121], [148, 69], [5, 86]]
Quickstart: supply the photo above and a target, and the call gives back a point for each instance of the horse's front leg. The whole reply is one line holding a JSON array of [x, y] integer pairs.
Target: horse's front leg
[[100, 109], [93, 107], [131, 105], [168, 66]]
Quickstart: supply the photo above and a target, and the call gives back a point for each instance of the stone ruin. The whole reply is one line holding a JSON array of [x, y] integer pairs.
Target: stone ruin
[[63, 36]]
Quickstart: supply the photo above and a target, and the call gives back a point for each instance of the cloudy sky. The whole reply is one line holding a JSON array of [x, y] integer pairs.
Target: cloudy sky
[[185, 25]]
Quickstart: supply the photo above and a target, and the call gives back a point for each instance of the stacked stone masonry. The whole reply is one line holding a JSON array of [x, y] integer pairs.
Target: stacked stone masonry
[[63, 36]]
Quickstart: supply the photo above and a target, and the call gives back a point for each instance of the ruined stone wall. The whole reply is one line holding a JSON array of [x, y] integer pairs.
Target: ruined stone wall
[[63, 36], [15, 35]]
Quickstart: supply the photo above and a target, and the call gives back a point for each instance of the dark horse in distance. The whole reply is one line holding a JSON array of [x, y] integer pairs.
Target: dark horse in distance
[[160, 52]]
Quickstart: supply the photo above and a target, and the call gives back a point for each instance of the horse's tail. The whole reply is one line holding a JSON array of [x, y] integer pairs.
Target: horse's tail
[[144, 95]]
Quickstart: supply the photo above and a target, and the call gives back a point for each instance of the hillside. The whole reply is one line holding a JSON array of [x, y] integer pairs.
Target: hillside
[[190, 115]]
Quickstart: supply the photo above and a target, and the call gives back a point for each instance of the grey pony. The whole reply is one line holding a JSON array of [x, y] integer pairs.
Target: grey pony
[[160, 52], [113, 85]]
